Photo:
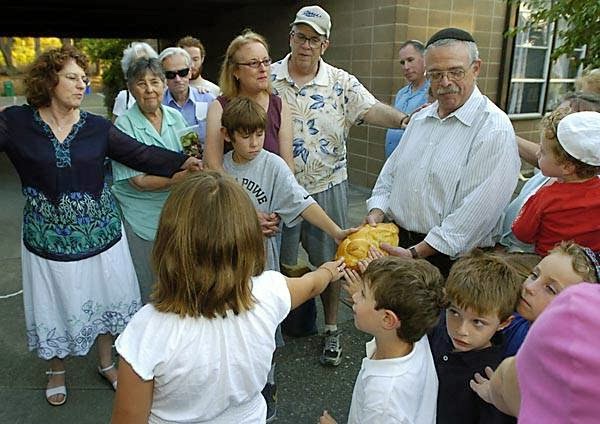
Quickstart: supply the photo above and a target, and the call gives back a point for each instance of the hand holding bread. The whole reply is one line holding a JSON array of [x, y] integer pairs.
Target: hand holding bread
[[356, 246]]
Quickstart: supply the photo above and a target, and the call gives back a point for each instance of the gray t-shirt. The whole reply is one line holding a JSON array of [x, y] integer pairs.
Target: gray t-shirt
[[272, 188]]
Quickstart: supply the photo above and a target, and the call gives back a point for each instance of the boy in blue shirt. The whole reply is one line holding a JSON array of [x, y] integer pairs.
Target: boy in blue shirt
[[482, 291]]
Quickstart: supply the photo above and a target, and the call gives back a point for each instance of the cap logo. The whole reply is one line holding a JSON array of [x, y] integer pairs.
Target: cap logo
[[311, 14]]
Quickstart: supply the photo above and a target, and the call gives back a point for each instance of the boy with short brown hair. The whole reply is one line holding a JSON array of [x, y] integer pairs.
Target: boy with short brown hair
[[482, 291], [398, 301]]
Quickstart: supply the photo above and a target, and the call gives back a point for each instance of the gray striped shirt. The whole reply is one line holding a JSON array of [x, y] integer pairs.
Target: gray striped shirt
[[451, 178]]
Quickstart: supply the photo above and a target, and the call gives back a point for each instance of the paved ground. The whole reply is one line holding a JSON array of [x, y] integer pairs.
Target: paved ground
[[305, 387]]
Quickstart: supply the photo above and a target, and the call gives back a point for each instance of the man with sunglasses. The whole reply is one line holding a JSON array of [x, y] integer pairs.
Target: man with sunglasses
[[447, 183], [325, 103], [188, 100]]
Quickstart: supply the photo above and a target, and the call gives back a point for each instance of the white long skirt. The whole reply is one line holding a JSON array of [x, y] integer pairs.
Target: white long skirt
[[68, 304]]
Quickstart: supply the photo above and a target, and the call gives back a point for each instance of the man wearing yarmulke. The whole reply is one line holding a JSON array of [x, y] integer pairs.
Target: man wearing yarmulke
[[325, 103], [448, 182]]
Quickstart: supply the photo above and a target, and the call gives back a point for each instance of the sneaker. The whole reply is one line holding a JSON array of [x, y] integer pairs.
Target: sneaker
[[270, 395], [332, 350]]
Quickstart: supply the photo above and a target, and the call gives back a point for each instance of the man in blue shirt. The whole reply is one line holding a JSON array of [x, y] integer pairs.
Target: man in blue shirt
[[192, 104], [413, 95]]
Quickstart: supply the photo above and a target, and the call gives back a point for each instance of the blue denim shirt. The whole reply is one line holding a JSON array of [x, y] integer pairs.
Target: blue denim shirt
[[407, 102], [194, 110]]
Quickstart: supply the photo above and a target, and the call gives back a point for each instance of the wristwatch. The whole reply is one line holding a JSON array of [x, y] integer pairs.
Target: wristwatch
[[413, 252]]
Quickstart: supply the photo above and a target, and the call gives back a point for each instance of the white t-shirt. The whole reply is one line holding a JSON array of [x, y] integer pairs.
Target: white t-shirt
[[208, 370], [206, 86], [399, 390], [123, 102]]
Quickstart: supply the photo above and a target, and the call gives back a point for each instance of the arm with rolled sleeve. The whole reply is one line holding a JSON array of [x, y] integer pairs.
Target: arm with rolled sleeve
[[488, 179]]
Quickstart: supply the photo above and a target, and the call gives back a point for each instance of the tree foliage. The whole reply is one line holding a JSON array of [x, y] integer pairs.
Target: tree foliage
[[582, 18], [18, 52], [107, 53]]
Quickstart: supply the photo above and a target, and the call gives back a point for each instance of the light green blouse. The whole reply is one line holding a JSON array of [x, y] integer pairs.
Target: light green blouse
[[142, 209]]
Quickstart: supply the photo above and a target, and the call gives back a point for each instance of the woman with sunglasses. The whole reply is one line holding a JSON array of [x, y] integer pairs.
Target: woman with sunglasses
[[141, 196], [246, 71], [79, 284]]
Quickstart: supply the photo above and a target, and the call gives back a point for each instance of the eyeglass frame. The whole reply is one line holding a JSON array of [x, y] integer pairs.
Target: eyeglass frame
[[439, 75], [74, 78], [255, 64], [182, 73], [304, 39]]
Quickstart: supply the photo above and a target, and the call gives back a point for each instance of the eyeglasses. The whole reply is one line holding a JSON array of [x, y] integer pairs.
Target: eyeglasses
[[181, 72], [256, 63], [300, 39], [74, 78], [453, 74]]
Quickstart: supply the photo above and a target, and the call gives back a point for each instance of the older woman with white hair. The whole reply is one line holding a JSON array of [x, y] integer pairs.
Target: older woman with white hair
[[141, 196], [135, 50]]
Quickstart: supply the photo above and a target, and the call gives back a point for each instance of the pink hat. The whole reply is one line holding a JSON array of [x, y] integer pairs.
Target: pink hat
[[558, 366]]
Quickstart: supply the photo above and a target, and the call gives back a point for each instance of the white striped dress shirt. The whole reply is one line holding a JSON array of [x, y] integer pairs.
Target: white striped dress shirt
[[451, 178]]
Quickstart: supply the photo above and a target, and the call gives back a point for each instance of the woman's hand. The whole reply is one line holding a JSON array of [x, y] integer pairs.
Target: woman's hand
[[481, 385], [192, 164], [336, 268], [269, 223]]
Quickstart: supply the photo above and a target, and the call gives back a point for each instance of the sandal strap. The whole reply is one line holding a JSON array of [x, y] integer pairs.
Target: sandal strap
[[52, 372], [60, 390], [110, 367]]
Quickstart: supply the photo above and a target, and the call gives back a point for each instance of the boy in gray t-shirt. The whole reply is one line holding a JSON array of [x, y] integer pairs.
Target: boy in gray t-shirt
[[272, 188], [267, 179]]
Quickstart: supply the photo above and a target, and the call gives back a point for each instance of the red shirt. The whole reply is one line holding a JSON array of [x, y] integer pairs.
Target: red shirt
[[561, 211]]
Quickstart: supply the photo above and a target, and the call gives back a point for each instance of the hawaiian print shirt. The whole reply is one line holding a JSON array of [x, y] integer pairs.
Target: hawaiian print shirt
[[323, 111]]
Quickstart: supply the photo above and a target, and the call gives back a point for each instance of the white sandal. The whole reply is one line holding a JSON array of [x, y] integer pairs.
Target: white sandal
[[59, 390], [102, 372]]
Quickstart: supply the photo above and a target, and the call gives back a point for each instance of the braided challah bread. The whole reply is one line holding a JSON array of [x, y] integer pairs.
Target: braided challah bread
[[356, 246]]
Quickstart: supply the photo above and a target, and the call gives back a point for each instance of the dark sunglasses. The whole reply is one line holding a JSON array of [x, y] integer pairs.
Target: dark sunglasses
[[181, 72]]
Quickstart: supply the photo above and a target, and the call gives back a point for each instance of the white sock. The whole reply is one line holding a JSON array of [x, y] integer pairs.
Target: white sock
[[331, 328], [271, 376]]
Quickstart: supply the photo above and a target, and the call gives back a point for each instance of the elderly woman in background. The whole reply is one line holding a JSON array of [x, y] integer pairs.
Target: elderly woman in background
[[79, 283], [246, 71], [142, 196], [136, 50]]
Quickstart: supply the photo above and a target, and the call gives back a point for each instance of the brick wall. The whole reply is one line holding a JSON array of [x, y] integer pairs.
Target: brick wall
[[364, 41]]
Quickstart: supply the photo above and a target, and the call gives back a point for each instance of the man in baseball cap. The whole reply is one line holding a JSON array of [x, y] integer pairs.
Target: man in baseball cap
[[325, 102], [315, 17]]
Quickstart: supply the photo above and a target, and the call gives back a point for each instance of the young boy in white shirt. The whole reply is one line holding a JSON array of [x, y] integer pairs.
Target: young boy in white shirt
[[398, 301]]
